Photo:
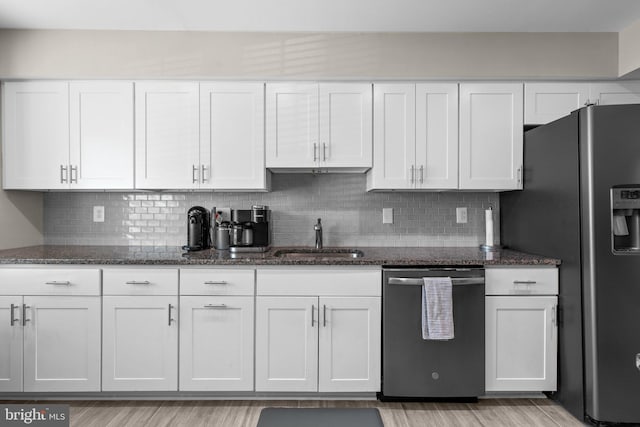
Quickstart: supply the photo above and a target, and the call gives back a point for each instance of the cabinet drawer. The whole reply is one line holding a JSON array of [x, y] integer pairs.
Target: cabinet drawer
[[310, 281], [521, 281], [49, 281], [216, 282], [140, 281]]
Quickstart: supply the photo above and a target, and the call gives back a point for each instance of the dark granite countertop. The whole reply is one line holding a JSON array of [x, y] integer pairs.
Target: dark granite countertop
[[173, 255]]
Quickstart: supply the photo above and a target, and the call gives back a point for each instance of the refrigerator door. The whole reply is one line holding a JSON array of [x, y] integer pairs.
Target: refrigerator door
[[610, 156], [545, 219]]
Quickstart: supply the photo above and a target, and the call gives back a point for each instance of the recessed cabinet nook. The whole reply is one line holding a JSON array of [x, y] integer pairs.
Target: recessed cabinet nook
[[185, 135]]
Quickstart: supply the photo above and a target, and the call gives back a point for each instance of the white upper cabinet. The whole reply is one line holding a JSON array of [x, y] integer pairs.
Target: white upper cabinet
[[491, 136], [311, 125], [61, 135], [436, 159], [36, 135], [167, 135], [611, 93], [292, 125], [546, 102], [345, 125], [394, 137], [232, 136], [101, 144]]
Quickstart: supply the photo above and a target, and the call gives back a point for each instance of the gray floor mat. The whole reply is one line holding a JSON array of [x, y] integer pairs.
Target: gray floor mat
[[320, 417]]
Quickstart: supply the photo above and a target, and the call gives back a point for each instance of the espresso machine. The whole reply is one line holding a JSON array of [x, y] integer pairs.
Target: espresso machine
[[198, 229], [248, 231]]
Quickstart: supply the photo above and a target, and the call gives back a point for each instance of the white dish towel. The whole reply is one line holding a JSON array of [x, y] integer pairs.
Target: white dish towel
[[437, 308]]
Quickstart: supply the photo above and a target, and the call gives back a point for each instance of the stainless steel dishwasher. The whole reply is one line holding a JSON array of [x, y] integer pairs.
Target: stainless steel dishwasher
[[413, 368]]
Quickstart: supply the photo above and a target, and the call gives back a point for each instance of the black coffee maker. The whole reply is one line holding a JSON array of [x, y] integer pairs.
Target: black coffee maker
[[198, 229], [250, 230]]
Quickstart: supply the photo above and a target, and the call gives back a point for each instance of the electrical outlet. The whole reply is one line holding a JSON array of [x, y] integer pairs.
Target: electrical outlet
[[461, 215], [98, 214], [387, 215]]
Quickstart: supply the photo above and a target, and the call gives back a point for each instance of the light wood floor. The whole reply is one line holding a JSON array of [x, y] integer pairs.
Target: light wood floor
[[487, 412]]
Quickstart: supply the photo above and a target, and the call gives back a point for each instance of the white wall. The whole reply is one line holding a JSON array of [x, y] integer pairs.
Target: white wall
[[629, 51], [140, 54], [20, 218]]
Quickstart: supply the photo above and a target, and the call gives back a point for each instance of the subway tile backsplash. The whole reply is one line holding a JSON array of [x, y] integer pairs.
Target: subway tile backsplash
[[350, 215]]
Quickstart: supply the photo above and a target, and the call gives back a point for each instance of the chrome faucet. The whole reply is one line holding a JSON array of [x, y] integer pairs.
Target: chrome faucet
[[318, 229]]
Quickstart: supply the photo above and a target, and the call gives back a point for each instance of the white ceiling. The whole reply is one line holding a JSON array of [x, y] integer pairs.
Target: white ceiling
[[323, 15]]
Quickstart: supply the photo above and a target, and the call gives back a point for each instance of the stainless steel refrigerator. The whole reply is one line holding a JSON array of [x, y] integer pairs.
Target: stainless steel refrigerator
[[581, 203]]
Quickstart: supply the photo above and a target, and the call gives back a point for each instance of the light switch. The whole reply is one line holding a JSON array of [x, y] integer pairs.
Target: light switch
[[98, 214], [387, 215]]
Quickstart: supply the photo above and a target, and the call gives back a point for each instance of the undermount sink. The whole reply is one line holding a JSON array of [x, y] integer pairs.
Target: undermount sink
[[318, 253]]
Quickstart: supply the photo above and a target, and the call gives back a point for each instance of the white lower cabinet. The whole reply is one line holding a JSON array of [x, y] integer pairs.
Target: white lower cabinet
[[216, 343], [50, 341], [317, 343], [140, 330], [11, 337], [286, 344], [521, 329]]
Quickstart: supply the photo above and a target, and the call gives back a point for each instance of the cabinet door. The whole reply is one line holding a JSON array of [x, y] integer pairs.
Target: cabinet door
[[287, 344], [101, 137], [62, 343], [292, 125], [216, 343], [140, 343], [346, 114], [436, 136], [11, 347], [36, 135], [491, 136], [615, 93], [167, 135], [393, 137], [349, 344], [546, 102], [232, 136], [521, 343]]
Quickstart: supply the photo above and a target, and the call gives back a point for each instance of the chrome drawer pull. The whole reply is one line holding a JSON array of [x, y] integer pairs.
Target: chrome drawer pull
[[524, 282], [136, 282], [64, 283], [215, 306], [215, 282]]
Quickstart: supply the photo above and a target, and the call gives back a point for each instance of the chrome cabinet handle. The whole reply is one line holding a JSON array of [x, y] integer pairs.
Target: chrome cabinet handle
[[421, 174], [203, 176], [73, 169], [55, 282], [524, 282], [215, 282], [315, 146], [194, 169], [324, 152], [215, 306], [554, 315], [324, 315], [170, 318], [313, 317], [13, 320], [24, 314], [137, 282], [63, 174], [413, 170]]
